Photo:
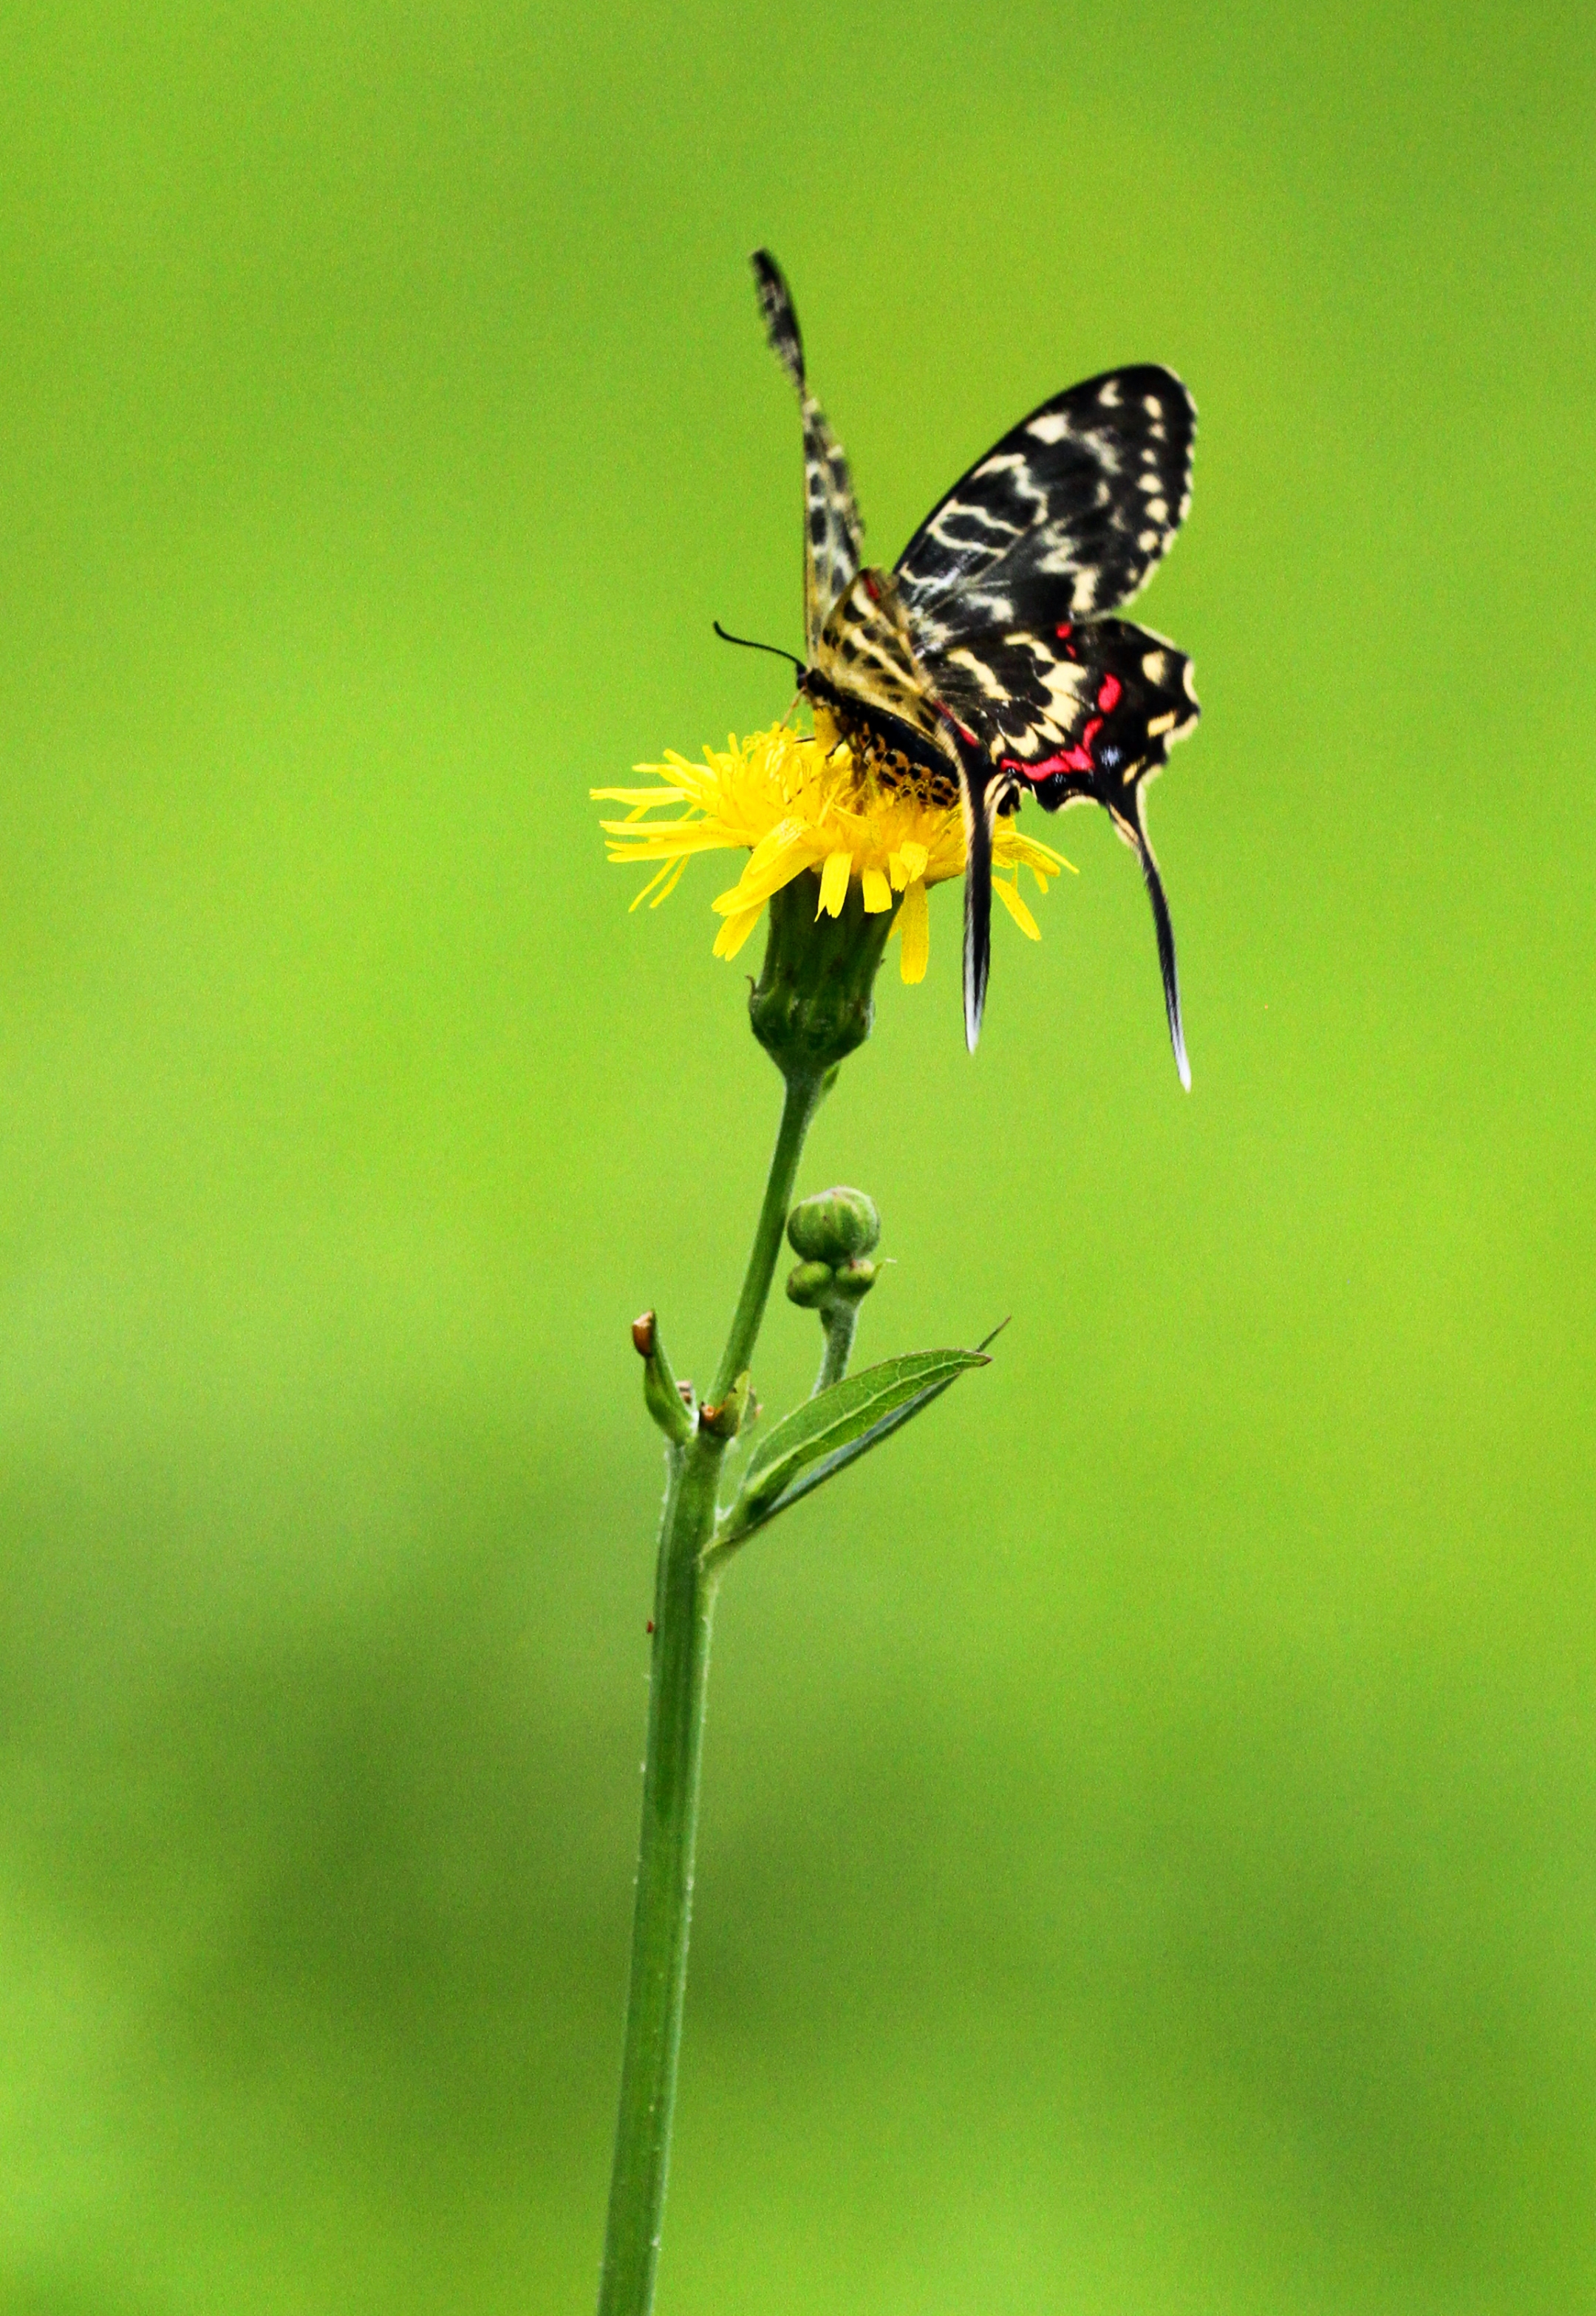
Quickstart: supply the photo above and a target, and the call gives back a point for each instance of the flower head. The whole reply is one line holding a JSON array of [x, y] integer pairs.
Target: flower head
[[799, 804]]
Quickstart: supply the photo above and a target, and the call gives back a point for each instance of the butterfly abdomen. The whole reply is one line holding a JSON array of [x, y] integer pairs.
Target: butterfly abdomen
[[884, 746]]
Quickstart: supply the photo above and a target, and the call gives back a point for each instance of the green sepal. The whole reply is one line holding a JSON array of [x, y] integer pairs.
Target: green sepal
[[813, 1002], [835, 1428], [661, 1394]]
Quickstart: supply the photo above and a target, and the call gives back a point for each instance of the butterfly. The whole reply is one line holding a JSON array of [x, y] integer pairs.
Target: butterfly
[[989, 663]]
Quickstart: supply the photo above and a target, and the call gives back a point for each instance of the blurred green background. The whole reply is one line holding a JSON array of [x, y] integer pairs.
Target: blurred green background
[[1149, 1861]]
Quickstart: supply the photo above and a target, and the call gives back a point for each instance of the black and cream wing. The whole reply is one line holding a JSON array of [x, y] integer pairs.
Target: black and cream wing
[[833, 535], [1085, 714], [1065, 517], [1095, 705]]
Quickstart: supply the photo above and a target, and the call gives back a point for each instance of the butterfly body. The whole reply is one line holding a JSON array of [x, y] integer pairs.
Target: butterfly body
[[866, 676], [988, 663]]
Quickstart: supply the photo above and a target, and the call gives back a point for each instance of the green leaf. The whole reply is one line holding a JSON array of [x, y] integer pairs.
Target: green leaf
[[838, 1426]]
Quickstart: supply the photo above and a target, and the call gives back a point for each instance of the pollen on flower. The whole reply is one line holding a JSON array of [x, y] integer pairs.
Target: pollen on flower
[[795, 803]]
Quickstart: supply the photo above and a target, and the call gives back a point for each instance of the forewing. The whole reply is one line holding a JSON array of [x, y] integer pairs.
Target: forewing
[[1068, 514], [833, 535]]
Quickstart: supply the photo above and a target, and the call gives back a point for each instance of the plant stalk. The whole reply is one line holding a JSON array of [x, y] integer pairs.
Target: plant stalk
[[838, 1321], [798, 1109], [683, 1615]]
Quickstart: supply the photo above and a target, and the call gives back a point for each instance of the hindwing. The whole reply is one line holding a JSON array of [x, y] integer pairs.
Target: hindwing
[[1086, 715], [1085, 711]]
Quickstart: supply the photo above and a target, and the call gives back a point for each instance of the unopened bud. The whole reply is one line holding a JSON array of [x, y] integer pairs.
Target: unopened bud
[[835, 1226], [853, 1280], [809, 1285]]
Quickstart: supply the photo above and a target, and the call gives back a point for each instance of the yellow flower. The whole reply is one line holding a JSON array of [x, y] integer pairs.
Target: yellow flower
[[796, 802]]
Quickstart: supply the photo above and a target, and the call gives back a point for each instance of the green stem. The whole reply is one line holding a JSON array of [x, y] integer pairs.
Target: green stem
[[838, 1320], [683, 1615], [797, 1108]]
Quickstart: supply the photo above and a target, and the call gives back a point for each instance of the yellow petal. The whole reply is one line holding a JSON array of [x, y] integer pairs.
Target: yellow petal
[[914, 921], [672, 878], [915, 859], [1009, 894], [833, 883], [1010, 848], [660, 838], [780, 866], [695, 781], [735, 930], [672, 868], [877, 892], [640, 800], [790, 831]]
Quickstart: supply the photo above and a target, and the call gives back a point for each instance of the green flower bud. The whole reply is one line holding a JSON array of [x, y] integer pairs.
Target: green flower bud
[[853, 1280], [834, 1226], [810, 1285]]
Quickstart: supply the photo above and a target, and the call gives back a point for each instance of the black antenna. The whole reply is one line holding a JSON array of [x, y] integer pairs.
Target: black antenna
[[775, 650]]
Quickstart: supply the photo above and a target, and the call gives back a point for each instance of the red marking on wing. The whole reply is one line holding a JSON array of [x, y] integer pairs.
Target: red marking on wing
[[871, 587], [1108, 698], [1064, 628], [1077, 759]]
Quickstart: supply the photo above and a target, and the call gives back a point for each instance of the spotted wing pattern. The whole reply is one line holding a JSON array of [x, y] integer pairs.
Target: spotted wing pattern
[[988, 657], [1067, 516], [833, 535], [1095, 705], [1086, 715]]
